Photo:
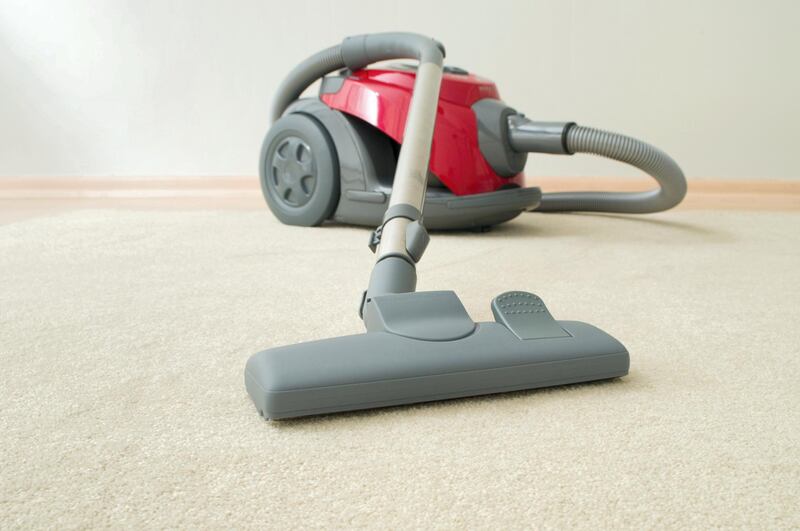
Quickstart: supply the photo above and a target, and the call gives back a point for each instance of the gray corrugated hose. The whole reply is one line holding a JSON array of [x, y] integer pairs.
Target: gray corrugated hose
[[623, 148], [354, 53], [303, 75]]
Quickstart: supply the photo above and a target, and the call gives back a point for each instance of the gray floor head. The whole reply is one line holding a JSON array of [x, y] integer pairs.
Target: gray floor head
[[396, 366]]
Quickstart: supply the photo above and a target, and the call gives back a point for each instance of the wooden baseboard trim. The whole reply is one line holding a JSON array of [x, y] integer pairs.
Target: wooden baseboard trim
[[244, 192]]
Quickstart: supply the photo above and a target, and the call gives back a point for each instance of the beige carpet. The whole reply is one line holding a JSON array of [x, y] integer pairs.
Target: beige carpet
[[123, 337]]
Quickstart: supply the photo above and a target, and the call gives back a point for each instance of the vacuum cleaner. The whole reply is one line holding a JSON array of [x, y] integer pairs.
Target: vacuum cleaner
[[376, 147]]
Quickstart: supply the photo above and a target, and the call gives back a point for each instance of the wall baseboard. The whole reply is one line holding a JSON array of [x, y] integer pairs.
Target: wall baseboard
[[244, 192]]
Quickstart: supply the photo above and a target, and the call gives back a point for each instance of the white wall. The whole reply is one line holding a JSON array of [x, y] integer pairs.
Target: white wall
[[168, 88]]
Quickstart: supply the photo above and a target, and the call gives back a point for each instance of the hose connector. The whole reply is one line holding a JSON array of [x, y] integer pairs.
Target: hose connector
[[527, 136]]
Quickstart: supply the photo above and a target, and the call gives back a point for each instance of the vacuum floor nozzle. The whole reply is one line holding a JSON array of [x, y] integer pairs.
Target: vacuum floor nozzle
[[423, 347]]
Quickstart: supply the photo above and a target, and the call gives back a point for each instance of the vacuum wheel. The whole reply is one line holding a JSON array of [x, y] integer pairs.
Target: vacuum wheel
[[299, 171]]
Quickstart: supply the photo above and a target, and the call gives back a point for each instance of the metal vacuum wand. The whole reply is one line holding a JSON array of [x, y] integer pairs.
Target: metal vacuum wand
[[401, 239]]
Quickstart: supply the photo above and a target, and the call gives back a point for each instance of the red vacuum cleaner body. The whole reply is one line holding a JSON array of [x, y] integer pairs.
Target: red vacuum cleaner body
[[380, 97], [333, 157]]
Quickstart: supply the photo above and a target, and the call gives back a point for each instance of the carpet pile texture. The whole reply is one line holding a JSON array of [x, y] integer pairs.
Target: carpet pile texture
[[124, 334]]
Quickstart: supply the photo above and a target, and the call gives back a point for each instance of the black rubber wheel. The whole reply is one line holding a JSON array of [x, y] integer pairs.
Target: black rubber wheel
[[299, 171]]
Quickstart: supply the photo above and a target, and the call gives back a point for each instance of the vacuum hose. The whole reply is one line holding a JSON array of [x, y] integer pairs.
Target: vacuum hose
[[566, 138], [647, 158], [353, 53], [303, 75]]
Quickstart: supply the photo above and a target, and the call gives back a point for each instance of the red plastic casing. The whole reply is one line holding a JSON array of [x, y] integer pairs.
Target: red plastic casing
[[381, 98]]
